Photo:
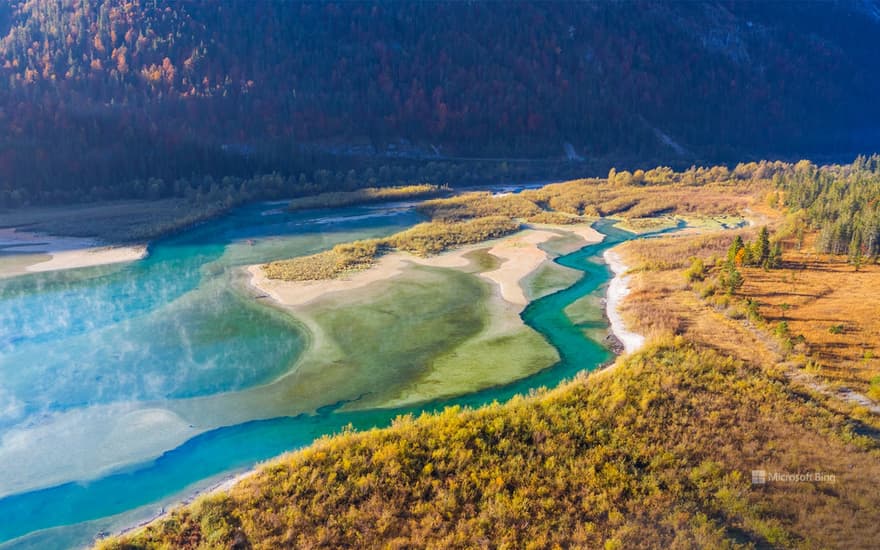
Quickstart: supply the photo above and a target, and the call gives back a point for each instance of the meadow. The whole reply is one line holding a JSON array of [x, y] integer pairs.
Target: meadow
[[585, 465], [423, 240]]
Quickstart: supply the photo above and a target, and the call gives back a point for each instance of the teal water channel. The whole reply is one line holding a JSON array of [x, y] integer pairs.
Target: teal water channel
[[173, 326]]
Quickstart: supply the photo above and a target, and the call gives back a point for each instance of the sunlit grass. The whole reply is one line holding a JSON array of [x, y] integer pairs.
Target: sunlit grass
[[587, 464]]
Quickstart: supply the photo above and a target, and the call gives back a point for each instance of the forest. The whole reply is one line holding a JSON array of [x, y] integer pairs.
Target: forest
[[98, 94], [841, 201]]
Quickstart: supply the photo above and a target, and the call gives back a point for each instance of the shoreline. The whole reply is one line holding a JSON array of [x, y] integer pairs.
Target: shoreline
[[224, 485], [618, 290], [23, 252]]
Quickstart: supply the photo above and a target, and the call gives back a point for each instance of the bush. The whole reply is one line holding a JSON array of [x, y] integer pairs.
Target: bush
[[696, 272], [365, 196], [434, 237]]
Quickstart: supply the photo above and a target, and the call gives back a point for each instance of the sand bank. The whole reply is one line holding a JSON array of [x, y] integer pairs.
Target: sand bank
[[297, 293], [520, 254], [25, 252], [618, 289]]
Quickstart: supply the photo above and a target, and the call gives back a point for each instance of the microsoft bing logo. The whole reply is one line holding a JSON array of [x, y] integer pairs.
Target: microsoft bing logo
[[763, 477]]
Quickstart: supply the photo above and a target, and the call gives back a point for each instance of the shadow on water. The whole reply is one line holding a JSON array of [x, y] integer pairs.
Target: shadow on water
[[238, 447]]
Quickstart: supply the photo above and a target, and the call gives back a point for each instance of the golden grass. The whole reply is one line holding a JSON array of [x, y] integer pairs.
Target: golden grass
[[480, 204], [591, 197], [328, 264], [366, 195], [829, 303], [654, 453], [435, 237], [424, 239]]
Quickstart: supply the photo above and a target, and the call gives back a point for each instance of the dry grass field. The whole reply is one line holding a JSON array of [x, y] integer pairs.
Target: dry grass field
[[661, 303], [833, 306], [590, 197], [829, 307]]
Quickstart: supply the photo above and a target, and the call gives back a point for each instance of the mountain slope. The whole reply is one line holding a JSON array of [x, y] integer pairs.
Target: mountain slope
[[136, 88]]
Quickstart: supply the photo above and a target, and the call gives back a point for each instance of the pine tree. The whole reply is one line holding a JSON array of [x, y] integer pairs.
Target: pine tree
[[855, 250], [732, 279], [762, 248], [775, 258], [734, 249]]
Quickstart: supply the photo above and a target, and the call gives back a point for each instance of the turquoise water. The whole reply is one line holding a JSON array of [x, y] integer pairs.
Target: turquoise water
[[93, 335]]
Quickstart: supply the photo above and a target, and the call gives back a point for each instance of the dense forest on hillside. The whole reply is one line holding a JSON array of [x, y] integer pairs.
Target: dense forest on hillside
[[96, 93]]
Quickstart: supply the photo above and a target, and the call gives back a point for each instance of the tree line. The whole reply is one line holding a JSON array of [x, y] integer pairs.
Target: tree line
[[841, 202]]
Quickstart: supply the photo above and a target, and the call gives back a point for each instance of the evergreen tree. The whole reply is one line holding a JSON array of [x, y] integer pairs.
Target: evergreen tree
[[734, 249], [731, 279], [775, 259], [855, 250], [761, 251]]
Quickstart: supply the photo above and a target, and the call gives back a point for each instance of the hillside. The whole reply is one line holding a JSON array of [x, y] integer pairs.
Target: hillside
[[656, 452], [95, 93]]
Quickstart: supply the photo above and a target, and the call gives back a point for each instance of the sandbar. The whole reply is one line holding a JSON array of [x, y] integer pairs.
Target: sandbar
[[26, 252], [520, 254], [618, 289]]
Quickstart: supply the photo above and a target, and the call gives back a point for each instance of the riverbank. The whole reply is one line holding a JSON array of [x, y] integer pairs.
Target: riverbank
[[618, 289], [24, 252]]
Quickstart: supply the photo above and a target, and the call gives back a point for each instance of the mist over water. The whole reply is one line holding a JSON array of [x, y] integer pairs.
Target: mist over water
[[174, 325]]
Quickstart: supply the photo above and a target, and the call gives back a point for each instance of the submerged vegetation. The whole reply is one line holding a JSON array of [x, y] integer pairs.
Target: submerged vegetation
[[656, 452]]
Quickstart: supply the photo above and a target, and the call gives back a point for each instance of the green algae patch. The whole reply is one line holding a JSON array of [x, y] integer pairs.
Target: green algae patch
[[505, 350], [587, 313], [548, 278], [393, 336], [481, 260]]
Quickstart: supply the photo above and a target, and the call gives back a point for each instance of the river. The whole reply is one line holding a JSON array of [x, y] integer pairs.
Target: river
[[84, 352]]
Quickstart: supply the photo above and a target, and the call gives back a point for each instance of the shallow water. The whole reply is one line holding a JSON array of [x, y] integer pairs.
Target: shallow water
[[172, 326]]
